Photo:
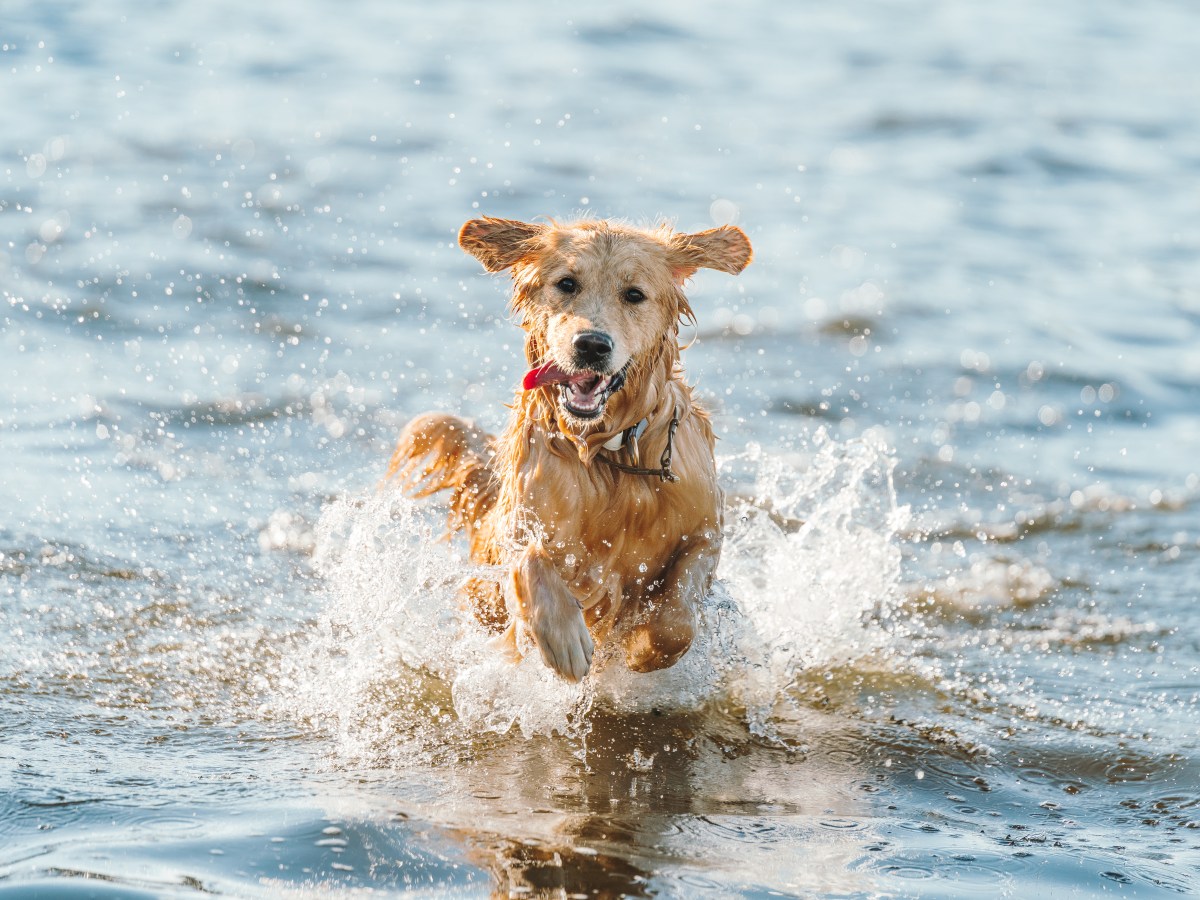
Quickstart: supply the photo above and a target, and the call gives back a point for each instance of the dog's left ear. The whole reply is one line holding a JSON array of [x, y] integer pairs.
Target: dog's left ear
[[499, 243], [726, 249]]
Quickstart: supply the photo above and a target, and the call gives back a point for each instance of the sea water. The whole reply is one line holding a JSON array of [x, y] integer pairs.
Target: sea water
[[953, 646]]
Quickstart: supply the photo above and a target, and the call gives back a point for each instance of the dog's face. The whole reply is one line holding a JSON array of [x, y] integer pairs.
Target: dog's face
[[597, 298]]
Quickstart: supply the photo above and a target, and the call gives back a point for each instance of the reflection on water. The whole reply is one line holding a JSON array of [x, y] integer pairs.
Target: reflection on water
[[658, 802], [952, 652]]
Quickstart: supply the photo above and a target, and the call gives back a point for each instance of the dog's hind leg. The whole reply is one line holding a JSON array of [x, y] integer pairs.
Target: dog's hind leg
[[663, 629], [484, 597], [438, 452], [441, 452]]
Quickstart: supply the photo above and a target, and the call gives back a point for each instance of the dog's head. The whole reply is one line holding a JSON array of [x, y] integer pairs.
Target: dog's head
[[598, 299]]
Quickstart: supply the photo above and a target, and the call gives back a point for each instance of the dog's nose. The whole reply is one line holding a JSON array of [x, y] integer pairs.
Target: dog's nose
[[592, 347]]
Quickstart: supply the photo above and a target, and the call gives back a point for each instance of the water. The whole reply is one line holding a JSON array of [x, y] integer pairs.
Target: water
[[953, 652]]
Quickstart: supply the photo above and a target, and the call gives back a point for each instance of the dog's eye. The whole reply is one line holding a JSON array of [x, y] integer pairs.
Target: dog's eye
[[567, 285], [633, 295]]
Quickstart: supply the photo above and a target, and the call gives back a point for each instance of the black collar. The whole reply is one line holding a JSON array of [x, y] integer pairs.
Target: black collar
[[629, 441]]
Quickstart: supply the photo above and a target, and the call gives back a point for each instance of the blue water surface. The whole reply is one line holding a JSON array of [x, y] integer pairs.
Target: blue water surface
[[228, 275]]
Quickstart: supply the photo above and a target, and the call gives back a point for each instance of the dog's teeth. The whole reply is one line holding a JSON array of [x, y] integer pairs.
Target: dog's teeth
[[587, 395]]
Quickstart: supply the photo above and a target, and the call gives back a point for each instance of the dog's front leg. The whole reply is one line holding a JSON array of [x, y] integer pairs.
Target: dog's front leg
[[665, 626], [542, 600]]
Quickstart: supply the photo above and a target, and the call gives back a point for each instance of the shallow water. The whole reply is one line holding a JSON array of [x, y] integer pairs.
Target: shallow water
[[954, 649]]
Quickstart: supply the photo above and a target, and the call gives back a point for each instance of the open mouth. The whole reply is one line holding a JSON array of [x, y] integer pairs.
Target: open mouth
[[582, 394]]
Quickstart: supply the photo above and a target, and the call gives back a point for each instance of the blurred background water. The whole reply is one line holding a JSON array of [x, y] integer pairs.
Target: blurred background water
[[964, 358]]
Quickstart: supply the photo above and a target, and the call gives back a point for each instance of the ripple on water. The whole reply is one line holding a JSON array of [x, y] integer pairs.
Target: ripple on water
[[842, 824], [696, 880], [28, 815], [1179, 882], [977, 871], [1077, 769], [162, 824], [637, 831], [1140, 769], [746, 830], [908, 871], [981, 871], [850, 757]]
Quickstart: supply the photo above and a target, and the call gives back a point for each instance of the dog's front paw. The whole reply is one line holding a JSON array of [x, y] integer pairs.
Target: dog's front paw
[[562, 637]]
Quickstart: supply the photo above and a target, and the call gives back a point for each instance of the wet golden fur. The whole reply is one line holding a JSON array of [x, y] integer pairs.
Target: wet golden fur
[[586, 552]]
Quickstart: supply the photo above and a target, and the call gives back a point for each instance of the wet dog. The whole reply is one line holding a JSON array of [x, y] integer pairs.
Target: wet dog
[[599, 504]]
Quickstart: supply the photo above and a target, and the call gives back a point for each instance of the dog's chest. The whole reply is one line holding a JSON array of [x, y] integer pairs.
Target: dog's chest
[[596, 518], [598, 524], [630, 527]]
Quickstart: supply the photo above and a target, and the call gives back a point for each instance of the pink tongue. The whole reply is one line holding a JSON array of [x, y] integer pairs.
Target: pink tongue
[[547, 374]]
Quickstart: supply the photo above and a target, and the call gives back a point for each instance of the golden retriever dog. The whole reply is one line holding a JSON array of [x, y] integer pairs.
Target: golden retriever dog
[[598, 507]]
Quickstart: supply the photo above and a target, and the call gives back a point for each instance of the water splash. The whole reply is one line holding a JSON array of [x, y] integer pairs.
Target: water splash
[[812, 559], [394, 666], [810, 569]]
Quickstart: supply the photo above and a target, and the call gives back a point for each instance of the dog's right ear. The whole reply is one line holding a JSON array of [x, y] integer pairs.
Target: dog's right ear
[[499, 243]]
